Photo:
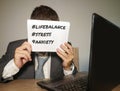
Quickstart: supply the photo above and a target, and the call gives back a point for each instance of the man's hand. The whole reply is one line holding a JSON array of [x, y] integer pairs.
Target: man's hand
[[66, 54], [22, 54]]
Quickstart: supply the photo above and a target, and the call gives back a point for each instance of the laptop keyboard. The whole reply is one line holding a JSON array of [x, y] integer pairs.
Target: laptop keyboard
[[77, 82], [74, 85]]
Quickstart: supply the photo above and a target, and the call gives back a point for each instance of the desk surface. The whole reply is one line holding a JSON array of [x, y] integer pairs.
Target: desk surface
[[28, 85], [21, 85], [117, 88]]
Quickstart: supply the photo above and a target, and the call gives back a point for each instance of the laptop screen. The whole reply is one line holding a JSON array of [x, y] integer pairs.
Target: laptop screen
[[104, 63]]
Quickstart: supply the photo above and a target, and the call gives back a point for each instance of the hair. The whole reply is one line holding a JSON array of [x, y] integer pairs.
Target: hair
[[44, 13]]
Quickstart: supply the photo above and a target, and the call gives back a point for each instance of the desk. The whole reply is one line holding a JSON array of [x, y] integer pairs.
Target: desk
[[117, 88], [21, 85]]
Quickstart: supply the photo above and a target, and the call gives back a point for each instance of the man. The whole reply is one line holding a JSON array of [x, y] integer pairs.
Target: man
[[20, 62]]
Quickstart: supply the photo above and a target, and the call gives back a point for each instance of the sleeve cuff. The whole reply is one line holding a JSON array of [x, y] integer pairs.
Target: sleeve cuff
[[10, 69], [67, 72]]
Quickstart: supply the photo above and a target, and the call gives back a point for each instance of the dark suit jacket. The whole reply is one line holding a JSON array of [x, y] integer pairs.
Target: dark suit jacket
[[27, 71]]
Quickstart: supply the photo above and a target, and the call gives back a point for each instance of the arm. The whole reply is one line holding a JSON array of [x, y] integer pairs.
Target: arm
[[20, 54], [9, 70], [6, 58]]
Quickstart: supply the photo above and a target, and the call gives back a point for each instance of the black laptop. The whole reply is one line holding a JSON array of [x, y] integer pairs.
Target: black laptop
[[104, 63], [104, 66]]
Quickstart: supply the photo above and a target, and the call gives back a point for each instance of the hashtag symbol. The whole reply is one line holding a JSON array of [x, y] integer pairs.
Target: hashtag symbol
[[33, 26], [33, 34], [33, 41]]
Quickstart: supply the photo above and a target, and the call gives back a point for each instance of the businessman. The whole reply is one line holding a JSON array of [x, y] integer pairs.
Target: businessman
[[19, 62]]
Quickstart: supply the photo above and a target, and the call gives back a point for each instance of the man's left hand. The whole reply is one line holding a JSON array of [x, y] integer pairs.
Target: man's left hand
[[66, 54]]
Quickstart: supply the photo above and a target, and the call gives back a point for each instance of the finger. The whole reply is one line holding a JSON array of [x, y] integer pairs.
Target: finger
[[69, 47], [26, 46], [61, 54], [20, 59], [64, 48], [19, 56], [24, 52]]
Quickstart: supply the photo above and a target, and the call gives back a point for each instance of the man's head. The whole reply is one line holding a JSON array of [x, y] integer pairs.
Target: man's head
[[44, 13]]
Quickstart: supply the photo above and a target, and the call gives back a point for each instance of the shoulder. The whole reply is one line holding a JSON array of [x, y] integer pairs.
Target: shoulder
[[16, 43]]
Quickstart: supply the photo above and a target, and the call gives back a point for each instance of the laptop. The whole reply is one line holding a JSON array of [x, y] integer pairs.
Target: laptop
[[104, 62]]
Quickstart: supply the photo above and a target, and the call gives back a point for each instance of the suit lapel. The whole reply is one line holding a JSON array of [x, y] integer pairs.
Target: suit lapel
[[56, 67]]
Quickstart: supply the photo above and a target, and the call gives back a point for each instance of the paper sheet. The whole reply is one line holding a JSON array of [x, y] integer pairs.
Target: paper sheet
[[47, 36]]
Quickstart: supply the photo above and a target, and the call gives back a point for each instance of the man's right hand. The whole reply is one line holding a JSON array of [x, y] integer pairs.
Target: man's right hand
[[22, 54]]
